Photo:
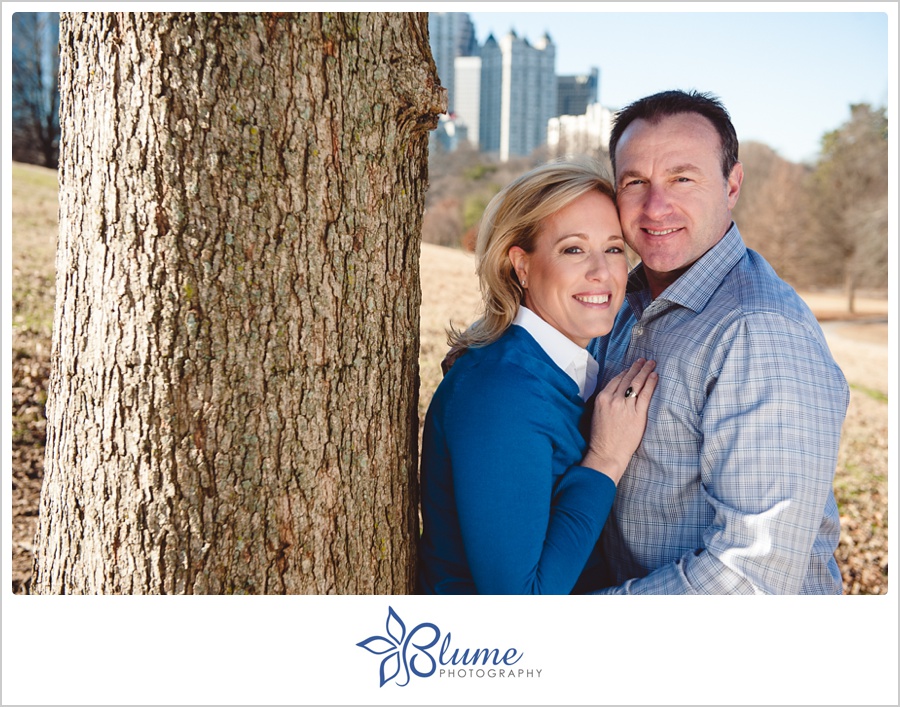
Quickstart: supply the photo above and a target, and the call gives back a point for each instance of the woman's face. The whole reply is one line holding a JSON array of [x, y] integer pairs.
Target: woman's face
[[575, 278]]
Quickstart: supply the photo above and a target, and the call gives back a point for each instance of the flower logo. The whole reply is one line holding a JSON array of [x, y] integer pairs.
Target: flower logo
[[401, 652]]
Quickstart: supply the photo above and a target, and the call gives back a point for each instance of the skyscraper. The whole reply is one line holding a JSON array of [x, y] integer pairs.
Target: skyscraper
[[518, 94], [583, 134], [467, 103], [576, 93], [451, 34]]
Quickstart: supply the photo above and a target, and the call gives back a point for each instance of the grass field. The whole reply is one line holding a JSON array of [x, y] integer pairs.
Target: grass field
[[450, 294]]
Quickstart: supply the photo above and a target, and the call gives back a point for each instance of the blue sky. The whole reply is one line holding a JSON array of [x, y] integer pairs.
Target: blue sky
[[786, 77]]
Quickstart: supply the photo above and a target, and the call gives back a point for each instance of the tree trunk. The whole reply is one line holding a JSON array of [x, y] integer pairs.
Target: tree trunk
[[232, 407], [850, 289]]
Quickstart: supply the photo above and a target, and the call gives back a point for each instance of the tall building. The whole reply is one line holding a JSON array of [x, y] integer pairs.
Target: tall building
[[468, 95], [584, 134], [451, 34], [576, 93], [518, 94]]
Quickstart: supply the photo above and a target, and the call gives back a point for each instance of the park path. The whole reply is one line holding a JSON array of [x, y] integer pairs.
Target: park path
[[861, 350]]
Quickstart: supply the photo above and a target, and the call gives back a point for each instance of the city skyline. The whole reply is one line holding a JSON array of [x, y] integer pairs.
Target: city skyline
[[800, 85]]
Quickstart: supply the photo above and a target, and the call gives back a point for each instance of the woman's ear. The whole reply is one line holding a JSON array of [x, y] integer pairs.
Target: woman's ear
[[519, 260]]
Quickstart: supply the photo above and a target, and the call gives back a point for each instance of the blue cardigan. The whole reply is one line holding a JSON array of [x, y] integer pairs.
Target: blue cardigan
[[506, 509]]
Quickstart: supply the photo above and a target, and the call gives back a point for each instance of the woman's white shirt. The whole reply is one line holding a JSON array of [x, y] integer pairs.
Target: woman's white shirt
[[577, 363]]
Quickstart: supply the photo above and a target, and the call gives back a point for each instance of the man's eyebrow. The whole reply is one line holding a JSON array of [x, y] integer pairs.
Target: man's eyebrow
[[677, 169], [682, 168]]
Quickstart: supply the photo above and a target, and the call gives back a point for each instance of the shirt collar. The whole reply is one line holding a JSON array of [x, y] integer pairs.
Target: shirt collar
[[574, 360], [694, 288]]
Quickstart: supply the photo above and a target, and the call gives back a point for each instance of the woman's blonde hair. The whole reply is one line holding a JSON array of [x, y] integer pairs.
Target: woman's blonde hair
[[513, 218]]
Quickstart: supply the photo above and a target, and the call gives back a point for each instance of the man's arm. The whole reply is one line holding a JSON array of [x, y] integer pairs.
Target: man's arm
[[770, 434]]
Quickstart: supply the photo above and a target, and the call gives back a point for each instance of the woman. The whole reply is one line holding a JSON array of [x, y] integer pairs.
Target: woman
[[513, 498]]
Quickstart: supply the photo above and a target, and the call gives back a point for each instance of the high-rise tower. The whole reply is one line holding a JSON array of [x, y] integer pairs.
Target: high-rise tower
[[518, 94], [451, 34], [576, 93]]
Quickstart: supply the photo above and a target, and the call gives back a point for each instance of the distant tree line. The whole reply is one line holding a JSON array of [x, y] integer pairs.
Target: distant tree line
[[821, 225]]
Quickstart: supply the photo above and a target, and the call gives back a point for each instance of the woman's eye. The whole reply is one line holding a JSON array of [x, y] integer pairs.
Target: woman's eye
[[615, 250], [573, 250]]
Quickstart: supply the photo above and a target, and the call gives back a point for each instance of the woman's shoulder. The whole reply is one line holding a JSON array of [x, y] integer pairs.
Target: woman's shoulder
[[515, 349], [510, 382], [515, 360]]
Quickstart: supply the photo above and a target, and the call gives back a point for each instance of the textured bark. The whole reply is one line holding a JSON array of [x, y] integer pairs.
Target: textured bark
[[232, 407]]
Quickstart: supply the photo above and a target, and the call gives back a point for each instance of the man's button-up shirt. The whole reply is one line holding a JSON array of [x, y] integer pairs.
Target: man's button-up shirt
[[730, 490]]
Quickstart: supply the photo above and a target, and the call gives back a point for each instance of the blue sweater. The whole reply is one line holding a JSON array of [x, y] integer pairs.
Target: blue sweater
[[506, 509]]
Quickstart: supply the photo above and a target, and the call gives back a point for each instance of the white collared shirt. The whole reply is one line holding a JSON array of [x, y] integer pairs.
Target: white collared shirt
[[577, 363]]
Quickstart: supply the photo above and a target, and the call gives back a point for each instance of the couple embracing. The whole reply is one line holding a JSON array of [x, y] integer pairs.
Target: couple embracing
[[672, 430]]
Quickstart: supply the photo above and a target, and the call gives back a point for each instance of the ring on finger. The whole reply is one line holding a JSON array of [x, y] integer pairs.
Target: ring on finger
[[630, 392]]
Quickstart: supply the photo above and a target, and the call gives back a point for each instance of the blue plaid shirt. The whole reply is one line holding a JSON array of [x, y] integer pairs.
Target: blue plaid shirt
[[731, 488]]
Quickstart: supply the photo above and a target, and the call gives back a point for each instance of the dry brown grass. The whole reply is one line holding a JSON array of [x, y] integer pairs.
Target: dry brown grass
[[450, 295]]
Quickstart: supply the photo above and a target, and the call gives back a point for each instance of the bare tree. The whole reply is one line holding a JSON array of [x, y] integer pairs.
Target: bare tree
[[232, 407], [774, 216], [35, 88], [462, 183], [851, 194]]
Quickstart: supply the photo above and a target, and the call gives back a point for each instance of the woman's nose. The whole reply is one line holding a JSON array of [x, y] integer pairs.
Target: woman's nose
[[598, 269]]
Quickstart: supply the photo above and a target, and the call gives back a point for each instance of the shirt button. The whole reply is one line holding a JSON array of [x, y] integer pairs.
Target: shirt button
[[638, 330]]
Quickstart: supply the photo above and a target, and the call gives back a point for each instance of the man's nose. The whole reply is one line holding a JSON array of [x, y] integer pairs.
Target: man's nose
[[656, 203]]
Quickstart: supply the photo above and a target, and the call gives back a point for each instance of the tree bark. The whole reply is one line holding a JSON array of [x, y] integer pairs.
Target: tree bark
[[232, 407]]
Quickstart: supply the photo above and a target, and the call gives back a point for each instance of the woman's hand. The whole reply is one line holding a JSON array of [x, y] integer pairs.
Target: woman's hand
[[618, 422]]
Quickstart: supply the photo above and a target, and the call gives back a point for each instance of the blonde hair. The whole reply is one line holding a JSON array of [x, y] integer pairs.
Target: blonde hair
[[513, 218]]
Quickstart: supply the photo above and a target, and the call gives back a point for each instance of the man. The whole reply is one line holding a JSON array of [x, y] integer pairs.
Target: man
[[731, 488]]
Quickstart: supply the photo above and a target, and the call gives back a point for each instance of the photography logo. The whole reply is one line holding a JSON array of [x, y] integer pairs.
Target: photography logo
[[422, 653]]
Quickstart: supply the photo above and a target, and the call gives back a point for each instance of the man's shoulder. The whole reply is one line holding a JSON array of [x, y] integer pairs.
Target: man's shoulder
[[753, 287]]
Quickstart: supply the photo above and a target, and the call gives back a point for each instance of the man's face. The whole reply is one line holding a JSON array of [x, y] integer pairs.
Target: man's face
[[674, 203]]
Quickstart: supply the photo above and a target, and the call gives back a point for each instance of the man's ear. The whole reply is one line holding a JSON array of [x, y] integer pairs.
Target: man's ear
[[735, 179]]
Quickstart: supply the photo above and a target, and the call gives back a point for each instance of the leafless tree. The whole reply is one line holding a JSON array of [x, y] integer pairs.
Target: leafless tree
[[773, 213], [35, 88], [850, 187]]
